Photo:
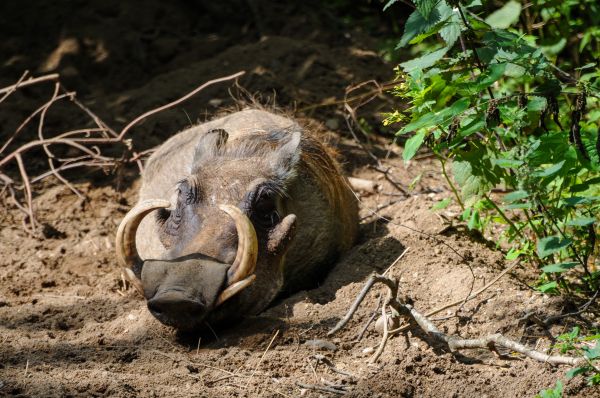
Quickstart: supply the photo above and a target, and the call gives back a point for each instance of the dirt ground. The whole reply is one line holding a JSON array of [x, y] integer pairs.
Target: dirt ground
[[67, 329]]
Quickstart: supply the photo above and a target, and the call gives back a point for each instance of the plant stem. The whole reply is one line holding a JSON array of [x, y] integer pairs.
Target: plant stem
[[575, 252], [449, 181], [530, 222], [505, 217]]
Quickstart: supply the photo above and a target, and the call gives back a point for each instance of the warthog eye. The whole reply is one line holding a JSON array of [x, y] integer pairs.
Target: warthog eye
[[172, 218], [264, 210]]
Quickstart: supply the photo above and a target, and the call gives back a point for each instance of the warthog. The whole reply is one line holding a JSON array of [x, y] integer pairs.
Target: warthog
[[243, 208]]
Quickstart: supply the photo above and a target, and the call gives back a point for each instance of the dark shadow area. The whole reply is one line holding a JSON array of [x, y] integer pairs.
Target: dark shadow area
[[124, 59]]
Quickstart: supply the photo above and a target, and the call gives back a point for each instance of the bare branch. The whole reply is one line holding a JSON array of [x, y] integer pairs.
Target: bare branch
[[28, 82], [177, 101], [490, 342]]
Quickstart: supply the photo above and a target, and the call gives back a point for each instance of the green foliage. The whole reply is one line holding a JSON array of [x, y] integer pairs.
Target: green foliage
[[487, 94], [586, 347], [508, 99], [555, 392]]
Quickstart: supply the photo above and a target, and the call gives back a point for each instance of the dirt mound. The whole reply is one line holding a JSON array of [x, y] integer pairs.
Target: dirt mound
[[67, 329]]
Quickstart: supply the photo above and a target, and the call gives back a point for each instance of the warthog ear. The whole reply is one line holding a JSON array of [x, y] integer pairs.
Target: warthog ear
[[210, 144], [287, 155]]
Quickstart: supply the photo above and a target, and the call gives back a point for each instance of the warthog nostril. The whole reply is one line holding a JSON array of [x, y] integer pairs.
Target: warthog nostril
[[174, 305]]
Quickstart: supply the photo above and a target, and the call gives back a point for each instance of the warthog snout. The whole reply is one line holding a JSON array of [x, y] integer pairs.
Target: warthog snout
[[181, 292]]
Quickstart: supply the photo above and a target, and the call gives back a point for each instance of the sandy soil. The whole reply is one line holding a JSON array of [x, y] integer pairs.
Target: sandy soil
[[67, 329]]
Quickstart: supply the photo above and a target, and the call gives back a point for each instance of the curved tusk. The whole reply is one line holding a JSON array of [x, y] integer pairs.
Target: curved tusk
[[247, 250], [125, 241], [235, 289]]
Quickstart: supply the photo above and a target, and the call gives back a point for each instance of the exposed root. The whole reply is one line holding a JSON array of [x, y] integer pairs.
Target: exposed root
[[453, 343], [338, 389]]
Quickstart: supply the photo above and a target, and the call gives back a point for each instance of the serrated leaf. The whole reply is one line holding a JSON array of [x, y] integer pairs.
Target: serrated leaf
[[472, 127], [442, 204], [515, 196], [432, 119], [575, 372], [592, 353], [505, 16], [587, 66], [580, 200], [472, 186], [555, 168], [519, 206], [560, 267], [547, 287], [581, 221], [491, 75], [420, 37], [474, 221], [555, 48], [514, 70], [412, 145], [507, 163], [551, 244], [513, 254], [425, 6], [536, 104], [417, 23], [450, 32], [424, 61]]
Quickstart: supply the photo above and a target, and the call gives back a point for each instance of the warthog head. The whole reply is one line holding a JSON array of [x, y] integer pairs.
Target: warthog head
[[227, 227]]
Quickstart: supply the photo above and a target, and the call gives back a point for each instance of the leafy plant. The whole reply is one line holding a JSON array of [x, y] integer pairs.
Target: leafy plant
[[587, 347], [555, 392], [499, 97]]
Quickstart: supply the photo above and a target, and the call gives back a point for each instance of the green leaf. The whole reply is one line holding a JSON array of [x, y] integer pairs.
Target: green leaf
[[560, 267], [548, 287], [592, 353], [580, 200], [472, 186], [491, 75], [472, 127], [555, 168], [536, 104], [417, 23], [551, 244], [505, 16], [427, 120], [515, 196], [425, 61], [514, 206], [412, 145], [425, 6], [474, 221], [442, 204], [587, 66], [432, 119], [450, 32], [575, 372], [581, 221], [507, 163], [554, 48]]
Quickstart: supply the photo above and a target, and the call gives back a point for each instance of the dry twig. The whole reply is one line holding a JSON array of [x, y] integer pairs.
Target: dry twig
[[491, 342], [339, 390], [83, 146]]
